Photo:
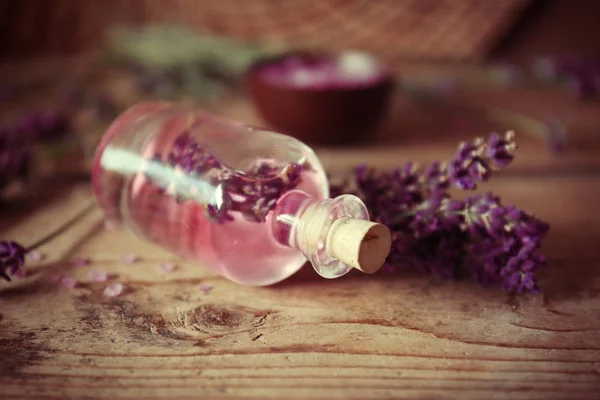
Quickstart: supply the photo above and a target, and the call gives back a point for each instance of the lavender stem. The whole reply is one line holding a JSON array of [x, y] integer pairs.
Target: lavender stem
[[62, 228]]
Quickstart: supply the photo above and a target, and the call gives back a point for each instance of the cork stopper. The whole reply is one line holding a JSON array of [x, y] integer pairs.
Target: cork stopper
[[361, 244], [351, 239]]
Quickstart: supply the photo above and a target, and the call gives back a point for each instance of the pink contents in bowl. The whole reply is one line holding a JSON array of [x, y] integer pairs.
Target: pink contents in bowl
[[321, 99], [348, 70]]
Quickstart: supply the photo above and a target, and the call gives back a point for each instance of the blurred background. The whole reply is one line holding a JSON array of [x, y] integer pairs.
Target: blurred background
[[453, 69], [450, 30]]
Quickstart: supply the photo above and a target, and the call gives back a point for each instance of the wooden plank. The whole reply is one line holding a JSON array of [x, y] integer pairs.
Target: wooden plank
[[355, 337]]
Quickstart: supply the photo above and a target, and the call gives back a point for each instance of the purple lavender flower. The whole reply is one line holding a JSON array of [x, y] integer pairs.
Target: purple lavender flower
[[505, 243], [188, 155], [12, 258], [262, 186], [581, 74], [41, 126], [436, 234], [253, 193], [500, 150], [220, 213], [475, 161]]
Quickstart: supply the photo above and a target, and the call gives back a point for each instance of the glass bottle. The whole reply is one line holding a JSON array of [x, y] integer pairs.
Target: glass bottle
[[251, 204]]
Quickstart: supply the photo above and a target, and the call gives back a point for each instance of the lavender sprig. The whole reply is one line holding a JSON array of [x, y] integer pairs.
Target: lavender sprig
[[581, 74], [37, 126], [12, 254], [252, 193], [16, 139], [437, 234], [12, 258]]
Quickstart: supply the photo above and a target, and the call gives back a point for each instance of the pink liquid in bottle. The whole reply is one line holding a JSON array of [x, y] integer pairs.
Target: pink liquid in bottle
[[228, 196]]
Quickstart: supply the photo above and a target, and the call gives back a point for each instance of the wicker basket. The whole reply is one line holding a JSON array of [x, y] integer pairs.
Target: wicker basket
[[455, 30]]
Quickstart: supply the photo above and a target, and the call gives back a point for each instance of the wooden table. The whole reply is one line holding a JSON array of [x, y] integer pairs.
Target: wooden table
[[359, 336]]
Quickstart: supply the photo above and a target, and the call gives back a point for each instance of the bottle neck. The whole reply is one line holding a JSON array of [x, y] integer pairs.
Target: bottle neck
[[331, 233]]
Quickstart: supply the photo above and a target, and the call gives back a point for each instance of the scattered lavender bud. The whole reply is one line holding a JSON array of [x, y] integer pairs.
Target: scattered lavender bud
[[20, 273], [129, 259], [97, 275], [206, 288], [68, 282], [113, 289], [34, 256], [110, 225], [168, 266], [80, 261]]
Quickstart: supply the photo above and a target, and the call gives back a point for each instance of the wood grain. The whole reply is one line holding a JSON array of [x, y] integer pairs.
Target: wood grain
[[307, 337], [361, 336]]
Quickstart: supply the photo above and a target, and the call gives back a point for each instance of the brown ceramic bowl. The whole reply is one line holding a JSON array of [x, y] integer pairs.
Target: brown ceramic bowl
[[317, 112]]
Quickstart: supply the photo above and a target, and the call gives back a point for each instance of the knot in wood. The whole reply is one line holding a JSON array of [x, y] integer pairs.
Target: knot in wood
[[214, 318]]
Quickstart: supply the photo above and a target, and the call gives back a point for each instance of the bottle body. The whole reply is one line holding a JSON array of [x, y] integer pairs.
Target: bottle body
[[250, 204], [205, 188]]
